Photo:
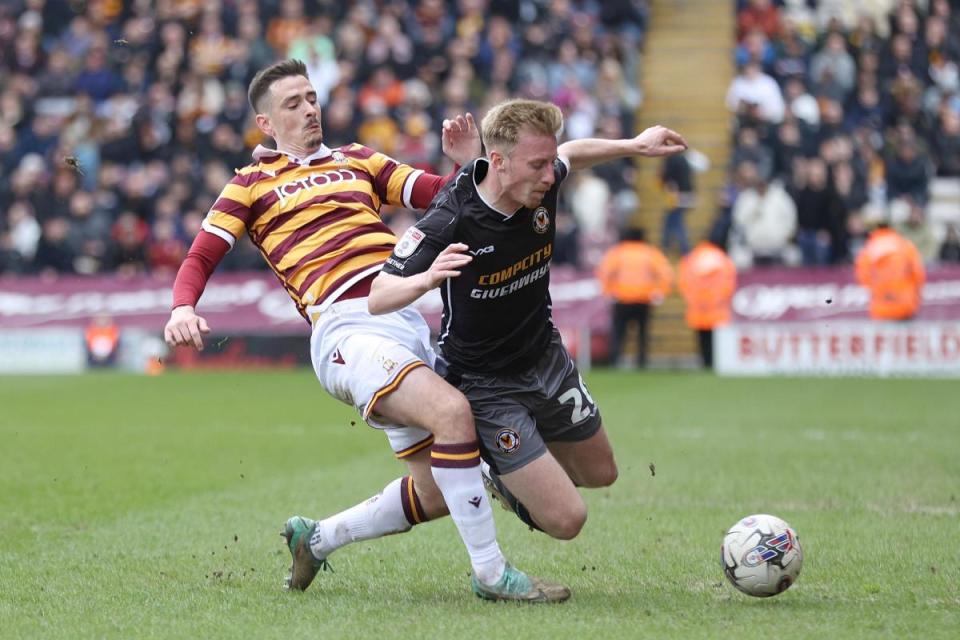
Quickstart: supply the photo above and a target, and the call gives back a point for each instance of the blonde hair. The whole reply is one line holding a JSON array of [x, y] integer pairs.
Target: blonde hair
[[503, 124]]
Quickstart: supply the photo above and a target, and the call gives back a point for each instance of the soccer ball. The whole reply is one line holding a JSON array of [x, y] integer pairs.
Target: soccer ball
[[761, 555]]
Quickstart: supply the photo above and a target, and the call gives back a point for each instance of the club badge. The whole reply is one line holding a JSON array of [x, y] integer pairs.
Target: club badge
[[508, 440], [541, 220]]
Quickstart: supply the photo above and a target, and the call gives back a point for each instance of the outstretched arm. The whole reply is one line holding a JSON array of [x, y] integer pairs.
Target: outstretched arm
[[652, 142], [389, 292]]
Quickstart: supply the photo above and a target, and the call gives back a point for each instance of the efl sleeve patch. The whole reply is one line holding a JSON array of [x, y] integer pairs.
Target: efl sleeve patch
[[409, 242]]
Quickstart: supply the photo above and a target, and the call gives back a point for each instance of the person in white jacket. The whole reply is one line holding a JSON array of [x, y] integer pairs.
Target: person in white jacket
[[755, 94], [764, 220]]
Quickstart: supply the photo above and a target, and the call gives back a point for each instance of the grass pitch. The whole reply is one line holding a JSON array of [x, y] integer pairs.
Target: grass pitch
[[135, 507]]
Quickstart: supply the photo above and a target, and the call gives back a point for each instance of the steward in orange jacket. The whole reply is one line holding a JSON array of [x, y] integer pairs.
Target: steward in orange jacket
[[707, 281], [890, 266], [634, 274], [102, 338]]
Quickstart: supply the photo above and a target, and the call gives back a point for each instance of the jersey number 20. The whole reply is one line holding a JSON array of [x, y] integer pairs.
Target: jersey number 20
[[576, 395]]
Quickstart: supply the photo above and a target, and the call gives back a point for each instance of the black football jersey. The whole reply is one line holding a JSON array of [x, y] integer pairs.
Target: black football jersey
[[496, 314]]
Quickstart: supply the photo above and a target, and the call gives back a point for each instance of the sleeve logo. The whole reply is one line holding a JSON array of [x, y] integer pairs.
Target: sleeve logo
[[409, 242]]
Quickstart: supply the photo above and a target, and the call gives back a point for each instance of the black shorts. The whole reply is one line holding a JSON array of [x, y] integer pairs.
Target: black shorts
[[517, 413]]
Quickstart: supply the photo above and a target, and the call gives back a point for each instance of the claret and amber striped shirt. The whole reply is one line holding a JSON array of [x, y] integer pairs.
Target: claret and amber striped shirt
[[317, 220]]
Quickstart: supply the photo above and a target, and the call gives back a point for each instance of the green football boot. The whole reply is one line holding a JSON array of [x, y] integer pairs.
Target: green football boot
[[517, 586], [297, 531]]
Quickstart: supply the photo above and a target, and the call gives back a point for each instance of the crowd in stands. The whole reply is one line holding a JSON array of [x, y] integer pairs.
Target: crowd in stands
[[121, 121], [845, 114]]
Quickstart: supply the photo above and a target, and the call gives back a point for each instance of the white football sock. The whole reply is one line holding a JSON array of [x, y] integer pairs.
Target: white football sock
[[456, 470], [381, 515]]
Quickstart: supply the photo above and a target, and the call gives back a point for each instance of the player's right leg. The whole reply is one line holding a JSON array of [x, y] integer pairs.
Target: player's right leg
[[423, 399]]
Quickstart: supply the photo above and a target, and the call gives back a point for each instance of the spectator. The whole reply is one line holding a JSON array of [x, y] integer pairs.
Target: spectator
[[97, 79], [821, 218], [907, 170], [749, 148], [755, 95], [832, 69], [127, 256], [916, 228], [676, 176], [23, 231], [866, 109], [54, 254], [165, 251], [764, 221], [762, 14], [89, 229], [946, 143], [950, 249]]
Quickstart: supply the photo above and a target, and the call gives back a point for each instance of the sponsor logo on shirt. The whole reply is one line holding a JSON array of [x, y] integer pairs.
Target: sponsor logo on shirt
[[483, 251], [319, 179]]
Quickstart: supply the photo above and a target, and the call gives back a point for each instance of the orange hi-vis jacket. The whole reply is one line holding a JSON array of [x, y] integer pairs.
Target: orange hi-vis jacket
[[707, 281], [635, 272], [102, 340], [890, 266]]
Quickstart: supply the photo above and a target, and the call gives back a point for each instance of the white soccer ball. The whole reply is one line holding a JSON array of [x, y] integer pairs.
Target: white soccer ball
[[761, 555]]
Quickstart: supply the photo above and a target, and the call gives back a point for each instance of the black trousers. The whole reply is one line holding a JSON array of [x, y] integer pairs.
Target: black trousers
[[623, 314], [705, 338]]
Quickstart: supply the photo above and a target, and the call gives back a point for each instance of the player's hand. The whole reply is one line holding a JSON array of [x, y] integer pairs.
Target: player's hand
[[185, 327], [460, 139], [659, 141], [447, 264]]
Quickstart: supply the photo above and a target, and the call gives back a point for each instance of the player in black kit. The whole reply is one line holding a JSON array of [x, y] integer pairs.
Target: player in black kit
[[487, 240]]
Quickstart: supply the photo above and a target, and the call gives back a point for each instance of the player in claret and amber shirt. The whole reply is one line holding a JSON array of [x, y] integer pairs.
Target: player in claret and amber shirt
[[314, 214]]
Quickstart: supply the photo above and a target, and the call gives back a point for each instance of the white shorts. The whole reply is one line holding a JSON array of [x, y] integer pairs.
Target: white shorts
[[359, 358]]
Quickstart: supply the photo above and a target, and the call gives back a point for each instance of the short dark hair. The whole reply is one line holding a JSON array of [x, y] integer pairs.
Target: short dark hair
[[633, 234], [261, 82]]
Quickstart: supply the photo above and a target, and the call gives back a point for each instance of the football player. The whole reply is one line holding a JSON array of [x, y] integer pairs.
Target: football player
[[487, 239]]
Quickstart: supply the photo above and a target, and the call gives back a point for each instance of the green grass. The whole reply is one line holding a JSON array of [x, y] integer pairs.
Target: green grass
[[149, 507]]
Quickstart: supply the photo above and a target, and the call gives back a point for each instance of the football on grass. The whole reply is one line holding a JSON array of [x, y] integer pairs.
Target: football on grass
[[761, 555]]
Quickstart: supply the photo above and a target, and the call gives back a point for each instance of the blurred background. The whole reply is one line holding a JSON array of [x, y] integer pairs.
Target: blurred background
[[811, 124]]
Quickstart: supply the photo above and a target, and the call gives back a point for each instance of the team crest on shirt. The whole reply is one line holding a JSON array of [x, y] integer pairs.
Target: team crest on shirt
[[388, 365], [508, 440], [541, 220], [409, 242], [339, 158]]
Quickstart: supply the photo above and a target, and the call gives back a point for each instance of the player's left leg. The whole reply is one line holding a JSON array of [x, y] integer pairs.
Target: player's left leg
[[569, 424], [590, 462]]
